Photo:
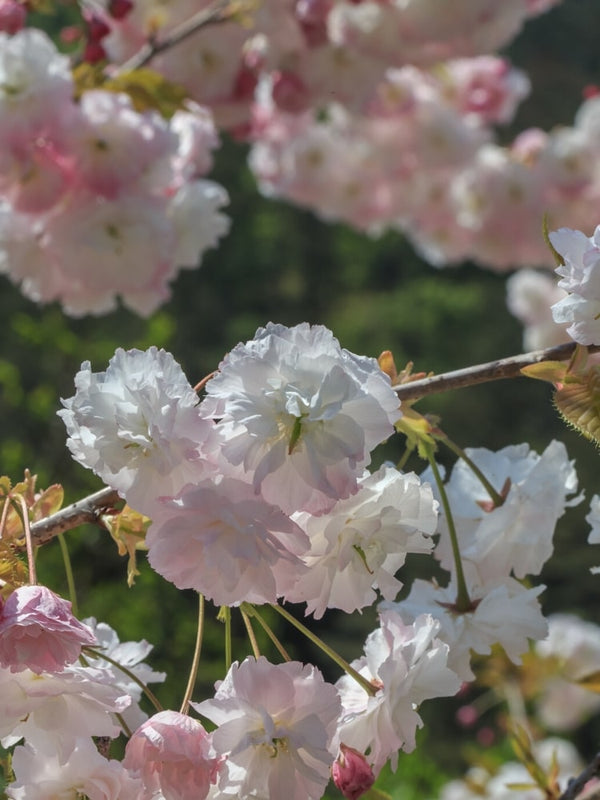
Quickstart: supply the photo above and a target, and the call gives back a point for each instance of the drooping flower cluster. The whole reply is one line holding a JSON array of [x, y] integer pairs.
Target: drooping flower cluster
[[287, 427], [260, 492]]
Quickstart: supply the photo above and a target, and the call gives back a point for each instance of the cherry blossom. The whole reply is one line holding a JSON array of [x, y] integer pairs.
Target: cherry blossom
[[351, 773], [518, 533], [569, 653], [513, 781], [77, 702], [276, 725], [529, 296], [502, 612], [42, 774], [39, 632], [409, 664], [129, 655], [219, 538], [360, 544], [173, 755], [300, 414], [580, 277], [138, 426]]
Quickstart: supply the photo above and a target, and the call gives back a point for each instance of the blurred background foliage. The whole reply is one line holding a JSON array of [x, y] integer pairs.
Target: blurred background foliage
[[280, 263]]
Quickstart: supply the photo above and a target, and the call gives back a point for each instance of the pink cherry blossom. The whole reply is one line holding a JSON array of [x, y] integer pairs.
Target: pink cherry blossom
[[39, 632], [174, 757], [275, 724], [219, 538]]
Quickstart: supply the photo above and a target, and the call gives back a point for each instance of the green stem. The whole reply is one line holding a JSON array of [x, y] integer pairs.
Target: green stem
[[497, 498], [69, 573], [91, 651], [463, 601], [335, 657], [251, 611], [189, 689], [405, 456], [251, 634], [226, 616]]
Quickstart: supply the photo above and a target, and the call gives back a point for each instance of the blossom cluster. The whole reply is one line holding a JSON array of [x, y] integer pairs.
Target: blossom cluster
[[97, 199], [100, 200], [259, 493]]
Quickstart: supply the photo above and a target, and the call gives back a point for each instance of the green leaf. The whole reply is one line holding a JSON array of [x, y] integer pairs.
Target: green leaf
[[149, 90]]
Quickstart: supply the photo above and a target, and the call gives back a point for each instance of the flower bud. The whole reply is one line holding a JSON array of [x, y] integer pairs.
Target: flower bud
[[351, 773]]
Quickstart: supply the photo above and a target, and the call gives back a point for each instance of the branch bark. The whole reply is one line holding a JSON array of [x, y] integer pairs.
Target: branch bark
[[215, 12], [483, 373], [576, 785], [87, 510]]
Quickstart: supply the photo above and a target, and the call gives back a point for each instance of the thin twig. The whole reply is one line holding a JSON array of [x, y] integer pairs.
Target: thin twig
[[482, 373], [215, 12], [576, 785], [88, 509]]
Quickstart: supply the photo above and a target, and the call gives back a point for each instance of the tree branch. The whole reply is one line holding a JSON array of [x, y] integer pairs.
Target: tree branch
[[576, 785], [482, 373], [88, 509], [215, 12]]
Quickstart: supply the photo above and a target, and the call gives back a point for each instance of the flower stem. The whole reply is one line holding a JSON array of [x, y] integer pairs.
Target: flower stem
[[496, 497], [91, 651], [19, 500], [251, 634], [69, 573], [463, 601], [251, 611], [185, 704], [335, 657]]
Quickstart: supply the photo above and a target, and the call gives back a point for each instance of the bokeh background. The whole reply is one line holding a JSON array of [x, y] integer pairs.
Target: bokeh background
[[282, 264]]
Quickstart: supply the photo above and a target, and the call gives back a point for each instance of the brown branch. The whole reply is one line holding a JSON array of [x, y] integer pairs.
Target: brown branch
[[214, 13], [89, 509], [482, 373], [576, 785]]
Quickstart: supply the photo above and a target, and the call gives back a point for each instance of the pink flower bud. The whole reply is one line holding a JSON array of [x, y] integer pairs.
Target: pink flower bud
[[93, 53], [289, 92], [174, 757], [12, 16], [351, 773], [39, 632], [119, 9], [96, 27]]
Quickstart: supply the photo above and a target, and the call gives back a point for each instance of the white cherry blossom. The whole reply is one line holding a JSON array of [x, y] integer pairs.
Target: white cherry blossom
[[360, 544], [138, 426], [300, 414], [409, 663]]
